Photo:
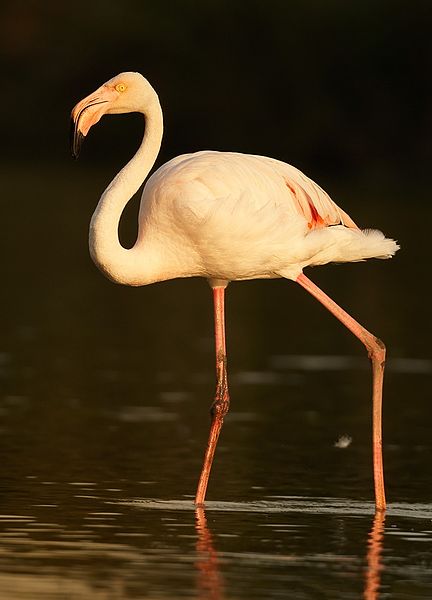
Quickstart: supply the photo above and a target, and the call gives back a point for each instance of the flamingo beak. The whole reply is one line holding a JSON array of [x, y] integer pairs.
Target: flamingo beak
[[86, 114]]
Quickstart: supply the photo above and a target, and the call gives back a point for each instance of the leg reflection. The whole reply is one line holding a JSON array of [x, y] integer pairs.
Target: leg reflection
[[374, 558], [209, 580]]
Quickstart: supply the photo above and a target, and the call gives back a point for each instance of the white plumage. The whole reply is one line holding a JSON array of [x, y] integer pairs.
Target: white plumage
[[234, 216], [224, 216]]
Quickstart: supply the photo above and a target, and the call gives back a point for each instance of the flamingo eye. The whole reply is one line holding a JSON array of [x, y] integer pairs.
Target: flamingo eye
[[120, 87]]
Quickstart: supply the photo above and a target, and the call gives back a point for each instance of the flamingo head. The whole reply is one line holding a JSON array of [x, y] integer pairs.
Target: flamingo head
[[126, 92]]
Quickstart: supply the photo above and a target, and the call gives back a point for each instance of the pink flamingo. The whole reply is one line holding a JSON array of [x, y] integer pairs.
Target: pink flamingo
[[225, 216]]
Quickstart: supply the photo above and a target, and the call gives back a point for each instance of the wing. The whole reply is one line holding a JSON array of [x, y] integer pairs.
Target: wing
[[212, 176], [313, 202]]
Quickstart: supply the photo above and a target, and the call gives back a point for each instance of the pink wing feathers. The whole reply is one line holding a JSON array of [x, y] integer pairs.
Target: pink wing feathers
[[315, 205]]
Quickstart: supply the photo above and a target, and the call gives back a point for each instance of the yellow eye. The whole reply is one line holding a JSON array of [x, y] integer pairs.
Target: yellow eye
[[120, 87]]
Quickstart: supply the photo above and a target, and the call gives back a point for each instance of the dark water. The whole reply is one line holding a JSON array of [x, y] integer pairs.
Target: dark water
[[104, 404]]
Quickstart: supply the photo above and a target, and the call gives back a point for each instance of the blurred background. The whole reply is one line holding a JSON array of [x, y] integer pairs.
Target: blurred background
[[339, 89]]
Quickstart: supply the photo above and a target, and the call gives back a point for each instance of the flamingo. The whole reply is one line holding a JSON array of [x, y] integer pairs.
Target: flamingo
[[225, 216]]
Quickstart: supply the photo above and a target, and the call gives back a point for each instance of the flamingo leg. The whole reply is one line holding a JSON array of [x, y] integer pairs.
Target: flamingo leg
[[221, 403], [376, 351]]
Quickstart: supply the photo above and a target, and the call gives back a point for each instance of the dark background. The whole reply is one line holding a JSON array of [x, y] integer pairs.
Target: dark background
[[339, 88]]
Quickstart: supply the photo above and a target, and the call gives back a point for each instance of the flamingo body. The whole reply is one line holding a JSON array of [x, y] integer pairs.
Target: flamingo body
[[232, 216], [225, 216]]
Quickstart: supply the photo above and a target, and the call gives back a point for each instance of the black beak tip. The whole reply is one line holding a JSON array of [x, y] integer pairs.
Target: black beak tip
[[76, 140], [75, 154]]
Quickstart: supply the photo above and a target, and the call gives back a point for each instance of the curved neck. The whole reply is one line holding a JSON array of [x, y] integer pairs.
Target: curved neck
[[115, 261]]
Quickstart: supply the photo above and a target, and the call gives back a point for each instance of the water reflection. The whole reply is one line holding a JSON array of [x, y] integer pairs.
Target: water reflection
[[210, 584], [374, 557], [209, 580]]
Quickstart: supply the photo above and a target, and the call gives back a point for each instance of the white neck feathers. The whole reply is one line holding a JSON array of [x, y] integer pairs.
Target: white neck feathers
[[115, 261]]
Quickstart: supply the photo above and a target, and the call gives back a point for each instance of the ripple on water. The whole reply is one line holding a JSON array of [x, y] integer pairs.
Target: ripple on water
[[285, 504]]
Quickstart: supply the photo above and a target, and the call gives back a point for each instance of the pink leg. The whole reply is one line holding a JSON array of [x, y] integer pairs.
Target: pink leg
[[221, 404], [376, 351]]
